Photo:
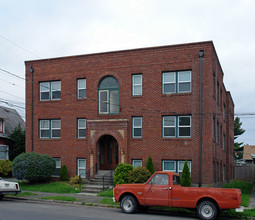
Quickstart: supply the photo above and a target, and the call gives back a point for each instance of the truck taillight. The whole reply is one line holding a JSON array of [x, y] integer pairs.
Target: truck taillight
[[17, 186]]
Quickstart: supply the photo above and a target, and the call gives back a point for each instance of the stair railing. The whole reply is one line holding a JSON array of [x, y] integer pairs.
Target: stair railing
[[110, 174]]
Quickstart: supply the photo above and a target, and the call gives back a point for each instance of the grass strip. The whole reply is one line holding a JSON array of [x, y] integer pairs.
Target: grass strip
[[106, 193], [60, 198], [53, 187]]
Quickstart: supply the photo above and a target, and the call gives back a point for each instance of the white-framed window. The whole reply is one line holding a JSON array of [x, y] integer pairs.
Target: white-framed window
[[81, 167], [137, 85], [137, 127], [4, 152], [176, 126], [176, 82], [50, 128], [50, 90], [1, 125], [81, 88], [58, 166], [137, 163], [169, 165], [181, 165], [175, 165], [81, 128]]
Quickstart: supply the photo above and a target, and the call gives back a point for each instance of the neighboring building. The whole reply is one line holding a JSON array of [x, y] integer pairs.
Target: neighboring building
[[9, 119], [249, 154], [94, 111]]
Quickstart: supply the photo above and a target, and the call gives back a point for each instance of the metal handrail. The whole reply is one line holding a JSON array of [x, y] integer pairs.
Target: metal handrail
[[107, 174]]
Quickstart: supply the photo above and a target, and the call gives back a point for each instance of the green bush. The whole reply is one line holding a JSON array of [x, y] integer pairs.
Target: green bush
[[5, 168], [121, 173], [150, 165], [33, 167], [185, 178], [76, 180], [64, 173], [138, 175]]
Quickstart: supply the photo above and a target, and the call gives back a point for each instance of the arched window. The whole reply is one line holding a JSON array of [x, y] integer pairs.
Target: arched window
[[108, 94]]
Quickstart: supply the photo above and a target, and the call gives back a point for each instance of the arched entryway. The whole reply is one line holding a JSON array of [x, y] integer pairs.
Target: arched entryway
[[108, 152]]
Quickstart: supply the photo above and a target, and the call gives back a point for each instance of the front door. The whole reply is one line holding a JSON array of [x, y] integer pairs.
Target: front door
[[157, 191], [108, 148]]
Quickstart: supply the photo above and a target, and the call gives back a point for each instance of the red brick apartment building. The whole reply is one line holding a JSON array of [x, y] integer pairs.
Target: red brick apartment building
[[91, 112]]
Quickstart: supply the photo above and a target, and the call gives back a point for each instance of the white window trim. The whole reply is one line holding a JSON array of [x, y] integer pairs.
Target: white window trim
[[164, 126], [107, 102], [137, 160], [7, 150], [136, 85], [81, 127], [134, 127], [49, 90], [54, 90], [55, 128], [56, 158], [184, 126], [165, 83], [81, 168], [163, 165], [183, 161], [44, 128], [80, 88]]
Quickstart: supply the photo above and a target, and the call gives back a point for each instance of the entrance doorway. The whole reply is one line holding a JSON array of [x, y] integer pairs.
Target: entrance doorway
[[108, 152]]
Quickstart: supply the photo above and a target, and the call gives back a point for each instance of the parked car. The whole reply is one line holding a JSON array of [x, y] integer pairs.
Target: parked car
[[164, 189], [8, 188]]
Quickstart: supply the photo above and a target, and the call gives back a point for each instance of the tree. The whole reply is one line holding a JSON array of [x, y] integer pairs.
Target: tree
[[185, 178], [64, 173], [17, 142], [149, 165], [237, 132]]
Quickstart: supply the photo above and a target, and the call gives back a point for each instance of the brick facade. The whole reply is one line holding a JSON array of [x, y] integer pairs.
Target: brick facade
[[152, 105]]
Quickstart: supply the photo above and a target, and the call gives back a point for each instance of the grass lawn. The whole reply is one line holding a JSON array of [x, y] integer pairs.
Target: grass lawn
[[53, 187], [106, 193], [60, 198], [25, 194], [245, 187]]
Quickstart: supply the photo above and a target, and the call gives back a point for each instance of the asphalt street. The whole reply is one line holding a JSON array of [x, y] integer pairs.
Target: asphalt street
[[20, 210]]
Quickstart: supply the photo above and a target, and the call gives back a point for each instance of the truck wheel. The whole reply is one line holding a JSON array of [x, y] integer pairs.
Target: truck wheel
[[128, 204], [207, 210]]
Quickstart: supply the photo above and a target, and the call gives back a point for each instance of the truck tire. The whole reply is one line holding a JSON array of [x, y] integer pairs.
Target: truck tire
[[207, 210], [128, 204]]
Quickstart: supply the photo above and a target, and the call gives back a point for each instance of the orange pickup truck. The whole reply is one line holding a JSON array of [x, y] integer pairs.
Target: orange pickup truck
[[164, 189]]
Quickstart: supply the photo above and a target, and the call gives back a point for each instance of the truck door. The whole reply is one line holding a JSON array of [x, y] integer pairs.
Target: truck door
[[157, 191]]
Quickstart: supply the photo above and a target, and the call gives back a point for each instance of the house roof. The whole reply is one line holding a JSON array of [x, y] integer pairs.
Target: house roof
[[248, 152], [11, 120]]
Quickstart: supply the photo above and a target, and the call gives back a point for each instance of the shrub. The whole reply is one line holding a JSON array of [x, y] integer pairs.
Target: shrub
[[64, 173], [185, 178], [138, 175], [121, 173], [76, 180], [33, 167], [5, 168], [149, 165]]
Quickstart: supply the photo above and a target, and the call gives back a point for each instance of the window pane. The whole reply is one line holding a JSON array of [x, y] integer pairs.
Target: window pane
[[45, 133], [44, 124], [82, 173], [103, 101], [56, 95], [58, 162], [44, 86], [82, 163], [137, 122], [114, 101], [169, 77], [137, 79], [82, 133], [137, 163], [169, 132], [56, 133], [82, 83], [184, 132], [160, 179], [169, 121], [184, 87], [169, 88], [185, 76], [169, 166], [55, 124], [56, 85], [184, 121], [82, 93], [45, 95], [109, 82], [137, 90], [82, 123], [137, 132]]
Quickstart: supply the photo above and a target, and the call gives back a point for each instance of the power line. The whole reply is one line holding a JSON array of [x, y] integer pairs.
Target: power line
[[19, 46]]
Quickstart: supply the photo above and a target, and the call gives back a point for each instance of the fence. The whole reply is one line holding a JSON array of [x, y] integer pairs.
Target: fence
[[246, 173]]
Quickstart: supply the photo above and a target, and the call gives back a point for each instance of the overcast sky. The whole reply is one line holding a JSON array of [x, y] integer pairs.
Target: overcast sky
[[34, 29]]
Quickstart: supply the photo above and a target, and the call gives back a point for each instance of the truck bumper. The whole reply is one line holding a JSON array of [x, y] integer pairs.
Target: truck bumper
[[240, 209]]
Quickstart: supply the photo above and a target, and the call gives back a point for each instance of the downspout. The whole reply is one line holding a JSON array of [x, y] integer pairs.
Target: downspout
[[201, 55], [32, 109]]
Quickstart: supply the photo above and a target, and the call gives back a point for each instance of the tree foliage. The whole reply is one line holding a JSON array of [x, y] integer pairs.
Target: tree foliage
[[237, 132], [17, 142], [33, 167], [138, 175], [150, 165], [185, 178], [121, 173], [64, 173], [5, 168]]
